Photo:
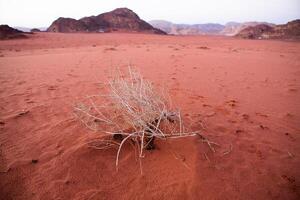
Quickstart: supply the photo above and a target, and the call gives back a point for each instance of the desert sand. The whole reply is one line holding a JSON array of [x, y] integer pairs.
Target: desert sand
[[246, 93]]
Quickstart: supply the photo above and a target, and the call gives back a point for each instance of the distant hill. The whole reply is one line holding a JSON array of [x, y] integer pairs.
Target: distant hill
[[7, 32], [187, 29], [26, 29], [120, 19], [229, 29], [35, 30], [291, 30], [233, 28]]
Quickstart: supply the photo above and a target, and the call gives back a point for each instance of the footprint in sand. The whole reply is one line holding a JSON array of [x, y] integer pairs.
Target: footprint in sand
[[210, 114], [29, 101], [197, 97], [21, 82], [246, 116], [191, 102], [292, 90], [220, 129], [289, 179], [222, 110], [232, 103], [110, 49], [251, 148], [260, 155], [21, 113], [203, 47], [263, 127], [238, 131], [289, 115], [52, 87], [72, 75], [261, 115], [290, 136], [232, 121]]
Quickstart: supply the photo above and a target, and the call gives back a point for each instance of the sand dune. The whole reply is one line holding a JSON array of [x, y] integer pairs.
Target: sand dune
[[246, 93]]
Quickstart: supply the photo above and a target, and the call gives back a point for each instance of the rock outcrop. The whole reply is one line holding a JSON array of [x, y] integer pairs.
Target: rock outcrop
[[67, 25], [286, 31], [121, 19], [255, 32], [291, 30]]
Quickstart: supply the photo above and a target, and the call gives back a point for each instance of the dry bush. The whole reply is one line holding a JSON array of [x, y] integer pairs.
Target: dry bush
[[129, 107]]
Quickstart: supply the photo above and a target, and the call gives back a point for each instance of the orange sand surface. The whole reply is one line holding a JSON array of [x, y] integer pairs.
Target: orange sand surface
[[245, 92]]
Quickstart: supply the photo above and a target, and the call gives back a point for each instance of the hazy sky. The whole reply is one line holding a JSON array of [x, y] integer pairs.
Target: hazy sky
[[40, 13]]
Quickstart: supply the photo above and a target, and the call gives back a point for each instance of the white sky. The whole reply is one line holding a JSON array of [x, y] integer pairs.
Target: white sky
[[39, 13]]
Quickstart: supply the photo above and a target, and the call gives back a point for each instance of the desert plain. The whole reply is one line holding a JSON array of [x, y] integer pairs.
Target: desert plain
[[242, 94]]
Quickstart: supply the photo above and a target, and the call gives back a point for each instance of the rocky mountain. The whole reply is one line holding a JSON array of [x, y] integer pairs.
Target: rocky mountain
[[233, 28], [187, 29], [7, 32], [291, 30], [120, 19]]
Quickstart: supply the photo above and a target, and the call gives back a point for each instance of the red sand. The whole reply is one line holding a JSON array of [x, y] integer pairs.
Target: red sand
[[245, 91]]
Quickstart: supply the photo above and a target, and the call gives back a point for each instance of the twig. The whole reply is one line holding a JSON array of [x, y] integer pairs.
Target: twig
[[228, 151], [119, 150], [209, 143], [207, 158]]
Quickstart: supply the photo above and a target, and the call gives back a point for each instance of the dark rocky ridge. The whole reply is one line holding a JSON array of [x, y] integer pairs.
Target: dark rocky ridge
[[120, 19], [7, 32]]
